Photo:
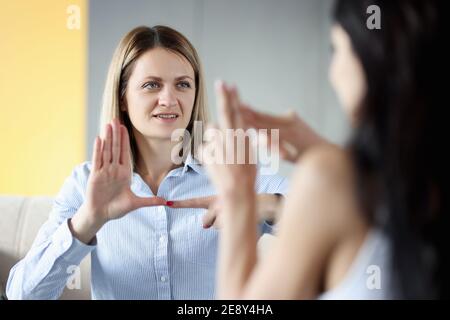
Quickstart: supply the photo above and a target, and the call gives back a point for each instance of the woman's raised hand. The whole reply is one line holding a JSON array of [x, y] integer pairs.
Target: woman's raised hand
[[295, 134], [229, 176], [108, 194], [108, 191]]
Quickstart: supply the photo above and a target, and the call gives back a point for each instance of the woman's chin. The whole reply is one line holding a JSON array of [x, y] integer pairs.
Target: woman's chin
[[163, 134], [163, 130]]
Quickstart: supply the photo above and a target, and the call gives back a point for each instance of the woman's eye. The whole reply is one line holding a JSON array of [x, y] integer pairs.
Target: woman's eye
[[184, 84], [151, 85]]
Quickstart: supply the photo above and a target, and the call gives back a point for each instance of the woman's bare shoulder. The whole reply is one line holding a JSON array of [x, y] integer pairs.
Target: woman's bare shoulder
[[328, 172], [329, 161]]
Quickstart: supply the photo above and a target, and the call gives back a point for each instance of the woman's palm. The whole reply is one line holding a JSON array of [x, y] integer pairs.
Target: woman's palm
[[108, 192]]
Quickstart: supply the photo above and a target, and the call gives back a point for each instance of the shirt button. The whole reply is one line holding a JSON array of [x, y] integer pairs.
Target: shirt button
[[163, 279], [161, 239]]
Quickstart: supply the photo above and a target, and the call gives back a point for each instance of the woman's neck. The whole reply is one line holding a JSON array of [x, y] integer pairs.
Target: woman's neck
[[154, 160]]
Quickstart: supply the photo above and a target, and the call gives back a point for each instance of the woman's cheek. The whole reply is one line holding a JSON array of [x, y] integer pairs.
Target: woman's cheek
[[187, 112]]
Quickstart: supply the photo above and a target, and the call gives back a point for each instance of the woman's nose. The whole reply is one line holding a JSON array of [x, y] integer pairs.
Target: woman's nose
[[167, 98]]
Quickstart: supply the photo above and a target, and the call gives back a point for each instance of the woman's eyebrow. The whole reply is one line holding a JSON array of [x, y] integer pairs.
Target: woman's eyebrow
[[183, 77], [161, 79], [153, 78]]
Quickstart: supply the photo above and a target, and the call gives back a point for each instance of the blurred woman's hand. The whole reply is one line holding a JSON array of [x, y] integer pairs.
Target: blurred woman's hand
[[267, 208], [294, 133], [235, 177]]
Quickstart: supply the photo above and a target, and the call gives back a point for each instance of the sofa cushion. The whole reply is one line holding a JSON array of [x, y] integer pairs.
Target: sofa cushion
[[2, 293], [20, 219]]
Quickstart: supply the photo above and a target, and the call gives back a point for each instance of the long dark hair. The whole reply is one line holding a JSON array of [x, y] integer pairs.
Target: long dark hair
[[397, 145]]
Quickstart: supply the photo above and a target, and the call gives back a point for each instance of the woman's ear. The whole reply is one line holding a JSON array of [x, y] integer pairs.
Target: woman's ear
[[123, 105]]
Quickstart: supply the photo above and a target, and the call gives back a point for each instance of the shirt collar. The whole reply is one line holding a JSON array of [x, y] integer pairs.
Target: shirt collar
[[192, 163]]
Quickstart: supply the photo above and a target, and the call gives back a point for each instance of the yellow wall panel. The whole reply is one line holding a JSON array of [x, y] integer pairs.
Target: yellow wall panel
[[42, 94]]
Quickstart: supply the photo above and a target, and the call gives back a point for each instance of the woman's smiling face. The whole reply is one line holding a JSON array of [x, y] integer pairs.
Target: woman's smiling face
[[160, 93]]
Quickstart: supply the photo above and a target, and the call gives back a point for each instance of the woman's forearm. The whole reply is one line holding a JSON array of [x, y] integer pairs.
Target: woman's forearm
[[43, 273], [237, 249]]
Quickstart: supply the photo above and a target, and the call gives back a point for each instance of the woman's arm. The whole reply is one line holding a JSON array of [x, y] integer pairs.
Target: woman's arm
[[319, 212], [313, 222], [42, 274], [237, 246], [77, 216]]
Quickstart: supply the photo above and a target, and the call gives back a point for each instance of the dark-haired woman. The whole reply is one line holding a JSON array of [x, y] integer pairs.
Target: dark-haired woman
[[367, 221]]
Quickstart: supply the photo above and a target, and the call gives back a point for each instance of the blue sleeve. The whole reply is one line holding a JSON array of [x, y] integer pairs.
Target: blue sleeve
[[44, 271], [273, 184]]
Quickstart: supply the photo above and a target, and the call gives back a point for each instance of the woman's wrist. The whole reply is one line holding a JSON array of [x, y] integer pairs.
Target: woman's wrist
[[237, 193], [306, 137], [84, 225], [239, 202]]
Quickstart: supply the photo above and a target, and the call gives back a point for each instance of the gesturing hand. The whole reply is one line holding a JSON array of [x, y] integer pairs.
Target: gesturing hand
[[267, 207], [294, 133], [237, 175], [108, 193]]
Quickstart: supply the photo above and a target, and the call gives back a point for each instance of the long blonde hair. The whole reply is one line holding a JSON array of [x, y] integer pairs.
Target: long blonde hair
[[131, 47]]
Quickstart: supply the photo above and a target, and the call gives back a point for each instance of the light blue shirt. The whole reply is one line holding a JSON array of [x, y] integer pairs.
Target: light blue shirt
[[151, 253]]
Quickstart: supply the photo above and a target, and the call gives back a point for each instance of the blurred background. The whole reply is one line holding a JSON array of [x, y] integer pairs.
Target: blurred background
[[55, 54]]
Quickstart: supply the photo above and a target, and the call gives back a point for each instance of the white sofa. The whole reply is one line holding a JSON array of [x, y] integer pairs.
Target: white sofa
[[20, 219]]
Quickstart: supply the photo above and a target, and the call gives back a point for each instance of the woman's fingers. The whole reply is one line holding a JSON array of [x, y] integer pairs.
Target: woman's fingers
[[288, 152], [265, 121], [285, 124], [207, 153], [246, 116], [223, 105], [203, 202], [97, 154], [140, 202], [212, 217], [106, 146], [235, 104], [217, 224], [209, 218], [114, 148], [116, 135], [125, 150]]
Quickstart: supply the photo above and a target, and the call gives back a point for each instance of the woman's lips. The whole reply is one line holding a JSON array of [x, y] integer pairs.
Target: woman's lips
[[166, 118]]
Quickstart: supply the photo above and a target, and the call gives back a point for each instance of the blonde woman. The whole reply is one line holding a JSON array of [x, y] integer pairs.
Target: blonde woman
[[120, 207]]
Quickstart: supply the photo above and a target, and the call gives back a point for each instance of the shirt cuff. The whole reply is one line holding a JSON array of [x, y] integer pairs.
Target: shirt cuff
[[266, 227], [269, 226], [69, 248]]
